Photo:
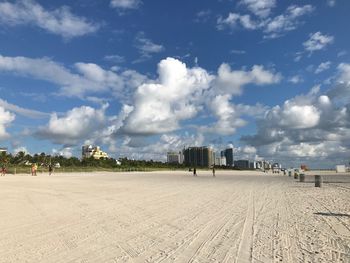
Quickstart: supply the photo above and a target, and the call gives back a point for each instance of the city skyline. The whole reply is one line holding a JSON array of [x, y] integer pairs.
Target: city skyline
[[142, 78]]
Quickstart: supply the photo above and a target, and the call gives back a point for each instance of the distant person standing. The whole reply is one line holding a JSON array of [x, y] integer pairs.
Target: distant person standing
[[213, 171], [3, 170], [34, 168], [194, 172], [50, 169]]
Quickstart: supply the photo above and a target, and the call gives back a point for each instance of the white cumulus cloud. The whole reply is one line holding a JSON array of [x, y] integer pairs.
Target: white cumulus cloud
[[288, 21], [272, 27], [331, 3], [231, 81], [180, 93], [159, 106], [234, 20], [23, 111], [59, 21], [6, 118], [341, 90], [295, 79], [126, 4], [296, 116], [313, 127], [146, 46], [89, 78], [261, 8], [317, 41], [228, 120], [323, 66], [74, 126]]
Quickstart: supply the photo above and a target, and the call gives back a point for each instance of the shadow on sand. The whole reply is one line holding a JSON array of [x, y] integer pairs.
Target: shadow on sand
[[331, 214]]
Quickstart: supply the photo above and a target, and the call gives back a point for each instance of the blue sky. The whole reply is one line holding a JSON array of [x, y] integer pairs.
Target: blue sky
[[270, 78]]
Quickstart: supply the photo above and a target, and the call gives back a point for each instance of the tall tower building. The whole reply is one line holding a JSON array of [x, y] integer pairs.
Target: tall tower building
[[228, 153], [199, 156]]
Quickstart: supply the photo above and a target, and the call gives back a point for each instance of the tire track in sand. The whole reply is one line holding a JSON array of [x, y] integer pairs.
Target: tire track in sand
[[246, 244]]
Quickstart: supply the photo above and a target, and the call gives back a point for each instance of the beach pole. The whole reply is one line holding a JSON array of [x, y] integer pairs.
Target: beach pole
[[318, 181], [302, 178]]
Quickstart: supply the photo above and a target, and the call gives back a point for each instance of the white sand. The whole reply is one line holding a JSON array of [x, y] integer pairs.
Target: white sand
[[173, 216]]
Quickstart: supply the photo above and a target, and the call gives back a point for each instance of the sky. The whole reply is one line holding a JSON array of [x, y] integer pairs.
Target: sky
[[139, 78]]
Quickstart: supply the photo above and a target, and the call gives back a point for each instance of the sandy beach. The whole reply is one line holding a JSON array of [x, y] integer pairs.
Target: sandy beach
[[174, 217]]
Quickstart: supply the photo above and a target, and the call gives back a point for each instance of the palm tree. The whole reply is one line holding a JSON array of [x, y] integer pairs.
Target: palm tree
[[19, 157]]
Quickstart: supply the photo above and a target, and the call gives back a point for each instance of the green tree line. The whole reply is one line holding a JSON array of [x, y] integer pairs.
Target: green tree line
[[22, 159]]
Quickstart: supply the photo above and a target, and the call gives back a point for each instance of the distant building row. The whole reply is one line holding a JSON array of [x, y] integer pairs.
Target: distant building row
[[205, 157]]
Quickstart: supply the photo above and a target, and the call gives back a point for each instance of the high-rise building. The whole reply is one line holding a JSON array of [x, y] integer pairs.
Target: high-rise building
[[199, 156], [174, 157], [220, 160], [228, 153], [241, 164], [88, 151]]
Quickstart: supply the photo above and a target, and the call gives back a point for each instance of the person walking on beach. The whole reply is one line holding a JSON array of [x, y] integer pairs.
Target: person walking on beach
[[50, 169], [213, 171], [194, 172], [3, 170], [34, 168]]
